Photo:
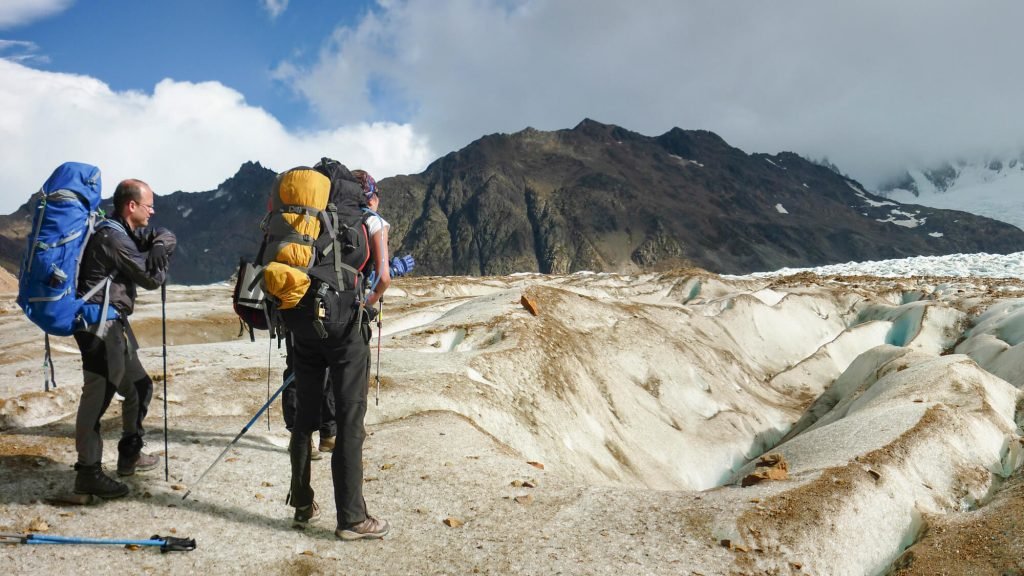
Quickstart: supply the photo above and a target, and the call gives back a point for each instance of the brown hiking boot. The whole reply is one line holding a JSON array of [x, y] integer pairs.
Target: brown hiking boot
[[92, 480], [306, 515], [371, 528], [327, 443], [141, 462]]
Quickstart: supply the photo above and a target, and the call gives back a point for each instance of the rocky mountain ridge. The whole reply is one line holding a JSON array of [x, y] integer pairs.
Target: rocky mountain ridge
[[595, 197]]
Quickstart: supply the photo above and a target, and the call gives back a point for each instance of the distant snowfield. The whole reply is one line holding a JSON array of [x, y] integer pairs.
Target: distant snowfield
[[612, 432], [958, 265], [977, 188]]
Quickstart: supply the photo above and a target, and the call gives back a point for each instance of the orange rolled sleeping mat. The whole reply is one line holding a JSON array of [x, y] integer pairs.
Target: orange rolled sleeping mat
[[299, 195]]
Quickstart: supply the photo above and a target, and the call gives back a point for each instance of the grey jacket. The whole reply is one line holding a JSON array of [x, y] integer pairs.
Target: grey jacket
[[116, 249]]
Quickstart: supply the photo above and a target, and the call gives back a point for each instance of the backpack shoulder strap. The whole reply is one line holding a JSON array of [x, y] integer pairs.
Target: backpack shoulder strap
[[111, 223]]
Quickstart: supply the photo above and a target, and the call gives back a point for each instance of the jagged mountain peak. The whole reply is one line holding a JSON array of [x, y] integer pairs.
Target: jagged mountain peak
[[599, 197], [596, 197]]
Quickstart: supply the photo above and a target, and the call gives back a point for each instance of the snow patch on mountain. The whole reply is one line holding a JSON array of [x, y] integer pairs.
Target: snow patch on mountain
[[993, 188]]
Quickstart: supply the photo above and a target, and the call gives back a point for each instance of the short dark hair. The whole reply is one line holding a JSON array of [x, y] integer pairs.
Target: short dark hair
[[127, 191]]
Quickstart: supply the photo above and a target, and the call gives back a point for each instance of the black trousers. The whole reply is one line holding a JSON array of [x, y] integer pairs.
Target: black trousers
[[345, 355], [109, 365], [290, 400]]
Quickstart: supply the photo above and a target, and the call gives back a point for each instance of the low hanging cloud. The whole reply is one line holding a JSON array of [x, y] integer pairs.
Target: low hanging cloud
[[19, 12], [182, 136], [874, 86]]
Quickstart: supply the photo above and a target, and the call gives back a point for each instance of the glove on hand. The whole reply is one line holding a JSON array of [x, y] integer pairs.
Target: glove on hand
[[401, 265], [157, 258]]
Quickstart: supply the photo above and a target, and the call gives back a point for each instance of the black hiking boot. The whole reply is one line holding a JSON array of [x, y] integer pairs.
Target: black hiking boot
[[92, 480]]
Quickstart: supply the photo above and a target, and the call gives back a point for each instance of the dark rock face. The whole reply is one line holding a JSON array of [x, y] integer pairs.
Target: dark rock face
[[596, 197], [14, 229]]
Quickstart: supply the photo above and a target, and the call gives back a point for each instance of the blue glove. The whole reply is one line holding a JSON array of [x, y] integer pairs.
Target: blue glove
[[401, 265]]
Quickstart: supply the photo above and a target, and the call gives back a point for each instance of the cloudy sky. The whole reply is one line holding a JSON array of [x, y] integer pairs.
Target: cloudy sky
[[180, 93]]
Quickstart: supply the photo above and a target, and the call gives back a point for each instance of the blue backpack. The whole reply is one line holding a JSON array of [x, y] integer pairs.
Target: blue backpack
[[64, 219]]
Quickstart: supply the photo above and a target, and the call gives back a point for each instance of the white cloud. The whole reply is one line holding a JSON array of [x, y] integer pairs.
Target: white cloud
[[275, 7], [18, 12], [183, 136], [21, 51], [873, 85]]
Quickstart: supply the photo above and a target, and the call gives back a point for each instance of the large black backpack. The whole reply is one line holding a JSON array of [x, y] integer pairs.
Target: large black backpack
[[341, 252], [337, 282]]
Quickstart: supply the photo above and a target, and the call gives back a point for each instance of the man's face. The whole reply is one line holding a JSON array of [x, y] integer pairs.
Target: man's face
[[140, 212]]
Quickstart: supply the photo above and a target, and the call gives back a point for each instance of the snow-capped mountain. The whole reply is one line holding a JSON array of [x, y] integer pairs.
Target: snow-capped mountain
[[991, 187]]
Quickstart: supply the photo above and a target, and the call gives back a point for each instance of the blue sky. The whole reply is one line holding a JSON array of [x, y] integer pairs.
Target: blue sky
[[132, 45], [181, 92]]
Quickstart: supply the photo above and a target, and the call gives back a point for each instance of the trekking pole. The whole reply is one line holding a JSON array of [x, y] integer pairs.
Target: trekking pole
[[380, 328], [166, 543], [287, 381], [163, 324], [270, 352]]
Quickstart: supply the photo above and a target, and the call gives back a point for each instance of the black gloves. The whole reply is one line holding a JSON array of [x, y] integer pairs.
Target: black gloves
[[157, 258]]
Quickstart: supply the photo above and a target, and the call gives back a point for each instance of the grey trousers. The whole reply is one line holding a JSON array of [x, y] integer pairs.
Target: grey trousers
[[109, 365]]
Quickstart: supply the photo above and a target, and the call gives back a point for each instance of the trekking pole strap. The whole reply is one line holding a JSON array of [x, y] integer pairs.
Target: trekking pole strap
[[270, 351], [48, 374], [380, 330]]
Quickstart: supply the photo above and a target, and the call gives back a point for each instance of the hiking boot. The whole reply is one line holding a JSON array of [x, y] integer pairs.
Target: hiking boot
[[371, 528], [92, 480], [141, 462], [306, 515], [327, 443]]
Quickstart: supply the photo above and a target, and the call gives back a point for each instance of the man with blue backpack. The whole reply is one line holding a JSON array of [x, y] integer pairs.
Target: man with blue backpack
[[78, 277], [123, 253]]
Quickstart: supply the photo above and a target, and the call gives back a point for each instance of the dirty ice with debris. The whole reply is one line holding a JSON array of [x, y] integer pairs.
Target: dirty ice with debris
[[854, 420]]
